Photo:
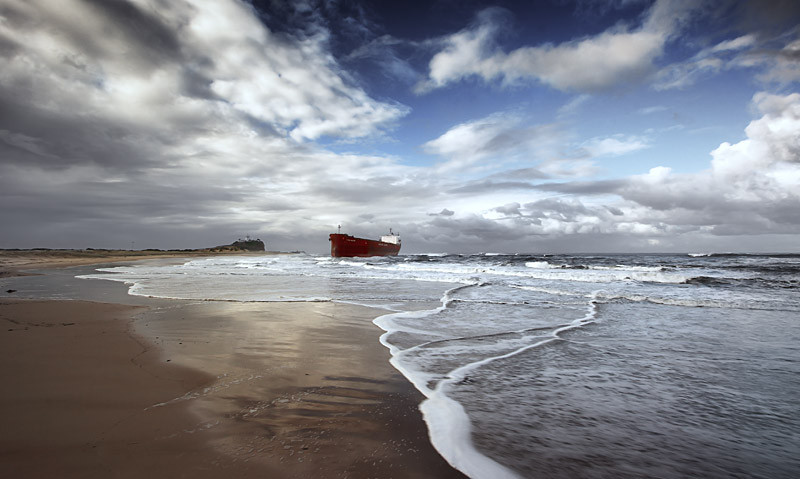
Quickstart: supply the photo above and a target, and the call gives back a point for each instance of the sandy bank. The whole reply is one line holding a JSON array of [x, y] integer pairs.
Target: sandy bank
[[13, 261], [204, 389]]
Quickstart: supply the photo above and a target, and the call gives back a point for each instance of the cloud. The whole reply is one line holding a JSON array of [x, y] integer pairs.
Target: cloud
[[617, 56], [294, 86], [144, 64], [444, 212], [782, 66], [750, 189], [496, 141], [614, 146], [653, 109], [471, 228], [773, 141], [752, 182], [572, 107], [510, 209], [777, 57], [190, 123], [146, 116], [705, 63], [515, 225], [597, 187], [383, 50], [739, 43], [490, 186], [500, 143]]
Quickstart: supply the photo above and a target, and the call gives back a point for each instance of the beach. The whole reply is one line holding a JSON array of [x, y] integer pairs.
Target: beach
[[201, 389], [302, 365]]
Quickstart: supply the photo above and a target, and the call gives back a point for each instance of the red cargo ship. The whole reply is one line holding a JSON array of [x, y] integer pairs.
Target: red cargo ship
[[349, 246]]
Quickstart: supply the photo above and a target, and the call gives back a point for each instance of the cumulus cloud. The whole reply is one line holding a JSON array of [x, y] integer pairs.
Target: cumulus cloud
[[617, 56], [773, 142], [751, 187]]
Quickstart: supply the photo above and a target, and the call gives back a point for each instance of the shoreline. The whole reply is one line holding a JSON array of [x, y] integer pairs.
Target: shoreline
[[276, 389], [15, 262]]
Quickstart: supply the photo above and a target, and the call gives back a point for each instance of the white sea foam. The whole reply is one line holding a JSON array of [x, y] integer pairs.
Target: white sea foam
[[449, 425], [540, 265]]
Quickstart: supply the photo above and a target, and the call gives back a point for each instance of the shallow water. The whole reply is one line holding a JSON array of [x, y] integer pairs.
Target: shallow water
[[564, 366]]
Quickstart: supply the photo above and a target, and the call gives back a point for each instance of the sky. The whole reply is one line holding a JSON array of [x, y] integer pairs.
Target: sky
[[467, 126]]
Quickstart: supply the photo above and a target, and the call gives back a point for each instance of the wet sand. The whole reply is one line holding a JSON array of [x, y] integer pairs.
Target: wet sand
[[14, 262], [204, 389]]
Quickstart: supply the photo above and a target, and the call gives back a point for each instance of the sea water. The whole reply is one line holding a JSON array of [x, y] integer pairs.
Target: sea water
[[563, 366]]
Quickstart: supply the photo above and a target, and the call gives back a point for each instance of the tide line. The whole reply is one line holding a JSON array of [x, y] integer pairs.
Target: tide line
[[449, 426]]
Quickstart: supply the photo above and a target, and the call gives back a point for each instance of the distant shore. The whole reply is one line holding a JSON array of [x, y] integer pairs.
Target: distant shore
[[199, 389], [12, 261]]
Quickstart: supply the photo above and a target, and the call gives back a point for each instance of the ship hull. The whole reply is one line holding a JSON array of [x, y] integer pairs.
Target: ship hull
[[346, 246]]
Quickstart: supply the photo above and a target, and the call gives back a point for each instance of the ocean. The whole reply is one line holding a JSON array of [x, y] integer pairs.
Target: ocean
[[562, 365]]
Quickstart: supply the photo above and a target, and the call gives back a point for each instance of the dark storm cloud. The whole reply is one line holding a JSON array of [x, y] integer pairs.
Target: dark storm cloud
[[142, 32], [131, 199], [57, 139], [765, 17], [118, 114], [47, 110], [8, 47]]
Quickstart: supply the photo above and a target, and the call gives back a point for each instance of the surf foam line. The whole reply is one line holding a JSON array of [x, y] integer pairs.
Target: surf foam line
[[136, 287], [449, 426]]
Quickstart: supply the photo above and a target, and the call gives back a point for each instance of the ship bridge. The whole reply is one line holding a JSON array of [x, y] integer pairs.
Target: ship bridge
[[390, 238]]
